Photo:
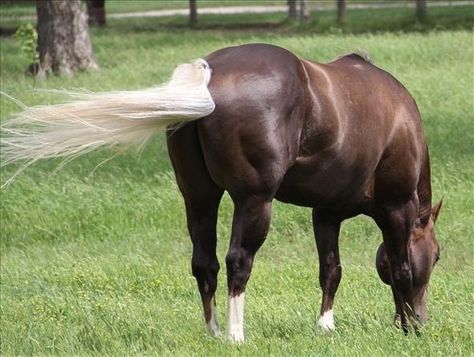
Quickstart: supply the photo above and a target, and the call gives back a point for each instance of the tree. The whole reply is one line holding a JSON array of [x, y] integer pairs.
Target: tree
[[420, 10], [96, 12], [192, 13], [304, 10], [341, 11], [63, 37], [292, 13]]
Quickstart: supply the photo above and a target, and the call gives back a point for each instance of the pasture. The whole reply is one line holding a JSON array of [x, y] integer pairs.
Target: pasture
[[96, 259]]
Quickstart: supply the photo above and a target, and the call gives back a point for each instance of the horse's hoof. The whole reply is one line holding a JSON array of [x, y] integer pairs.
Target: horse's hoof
[[397, 321], [326, 321], [214, 331], [414, 322], [235, 338]]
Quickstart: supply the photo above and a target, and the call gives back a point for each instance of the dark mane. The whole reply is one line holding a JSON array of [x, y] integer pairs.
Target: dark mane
[[424, 190]]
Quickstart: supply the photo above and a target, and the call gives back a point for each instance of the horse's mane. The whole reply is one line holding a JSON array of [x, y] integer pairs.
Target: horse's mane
[[361, 55]]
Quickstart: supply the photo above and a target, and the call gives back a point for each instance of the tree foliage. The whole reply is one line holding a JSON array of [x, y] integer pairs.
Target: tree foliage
[[27, 36]]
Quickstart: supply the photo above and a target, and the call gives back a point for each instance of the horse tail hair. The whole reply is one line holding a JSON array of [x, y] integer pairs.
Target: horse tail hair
[[93, 120]]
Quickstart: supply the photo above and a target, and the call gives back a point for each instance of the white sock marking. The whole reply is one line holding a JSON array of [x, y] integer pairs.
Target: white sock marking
[[235, 318], [326, 321], [212, 326]]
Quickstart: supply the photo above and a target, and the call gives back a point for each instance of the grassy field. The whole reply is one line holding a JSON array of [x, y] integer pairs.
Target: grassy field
[[27, 8], [98, 261], [321, 21]]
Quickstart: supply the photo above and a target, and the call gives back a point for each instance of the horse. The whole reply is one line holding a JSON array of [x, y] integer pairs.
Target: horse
[[256, 121]]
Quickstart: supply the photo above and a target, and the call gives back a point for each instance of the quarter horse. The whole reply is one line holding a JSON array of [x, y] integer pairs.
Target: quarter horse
[[344, 138]]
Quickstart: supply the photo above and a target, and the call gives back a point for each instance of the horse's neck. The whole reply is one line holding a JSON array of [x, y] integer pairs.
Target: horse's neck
[[424, 190]]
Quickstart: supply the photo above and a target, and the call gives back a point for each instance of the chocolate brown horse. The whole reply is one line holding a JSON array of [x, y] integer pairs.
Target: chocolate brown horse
[[344, 138]]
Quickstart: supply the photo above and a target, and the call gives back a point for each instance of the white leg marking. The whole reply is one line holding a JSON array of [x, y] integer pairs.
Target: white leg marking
[[235, 318], [212, 326], [326, 321]]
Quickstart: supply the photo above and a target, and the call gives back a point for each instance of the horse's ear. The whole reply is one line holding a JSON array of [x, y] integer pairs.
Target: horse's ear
[[435, 210]]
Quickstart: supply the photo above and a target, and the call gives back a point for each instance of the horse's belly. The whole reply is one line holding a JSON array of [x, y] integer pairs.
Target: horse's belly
[[336, 187], [302, 195]]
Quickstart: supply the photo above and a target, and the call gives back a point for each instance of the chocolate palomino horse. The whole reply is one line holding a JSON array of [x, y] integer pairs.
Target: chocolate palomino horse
[[344, 138]]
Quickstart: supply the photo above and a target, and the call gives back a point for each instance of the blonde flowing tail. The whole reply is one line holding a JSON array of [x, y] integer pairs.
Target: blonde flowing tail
[[96, 120]]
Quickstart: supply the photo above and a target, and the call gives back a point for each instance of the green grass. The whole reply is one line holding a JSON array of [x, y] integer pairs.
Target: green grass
[[98, 262], [27, 8], [321, 21]]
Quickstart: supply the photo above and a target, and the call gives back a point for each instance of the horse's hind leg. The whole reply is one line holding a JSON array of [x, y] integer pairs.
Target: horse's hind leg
[[202, 197], [201, 212], [249, 229], [326, 231]]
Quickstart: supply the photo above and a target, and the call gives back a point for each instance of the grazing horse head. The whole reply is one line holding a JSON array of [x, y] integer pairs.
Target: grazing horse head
[[423, 250]]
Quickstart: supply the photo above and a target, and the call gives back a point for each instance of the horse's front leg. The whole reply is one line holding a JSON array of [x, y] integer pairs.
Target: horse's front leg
[[383, 269], [326, 231], [249, 230], [396, 222]]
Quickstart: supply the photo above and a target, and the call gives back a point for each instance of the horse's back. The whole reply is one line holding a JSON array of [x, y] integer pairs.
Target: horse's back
[[320, 135]]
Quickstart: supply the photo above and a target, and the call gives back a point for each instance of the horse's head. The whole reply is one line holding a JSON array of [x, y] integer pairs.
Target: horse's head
[[423, 250]]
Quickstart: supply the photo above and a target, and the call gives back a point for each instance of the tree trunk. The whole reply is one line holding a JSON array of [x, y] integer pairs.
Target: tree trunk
[[96, 12], [304, 10], [63, 37], [341, 11], [420, 10], [192, 13], [292, 13]]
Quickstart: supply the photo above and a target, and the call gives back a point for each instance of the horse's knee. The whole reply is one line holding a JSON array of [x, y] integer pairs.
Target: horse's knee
[[383, 265], [239, 265], [402, 277]]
